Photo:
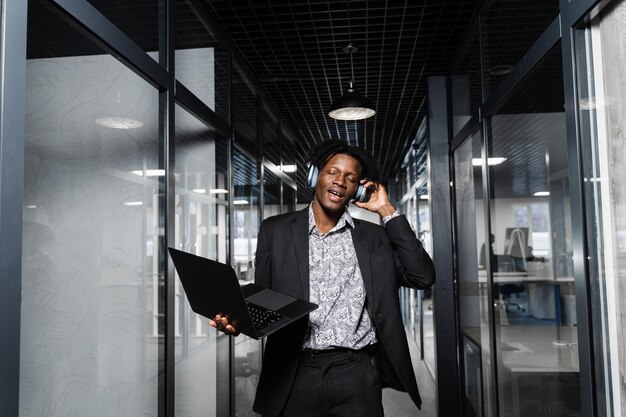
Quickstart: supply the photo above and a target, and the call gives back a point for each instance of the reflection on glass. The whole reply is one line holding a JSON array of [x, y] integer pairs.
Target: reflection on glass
[[473, 254], [510, 27], [271, 138], [245, 110], [465, 84], [289, 199], [533, 283], [291, 156], [91, 239], [201, 65], [246, 222], [201, 228], [139, 20], [271, 194]]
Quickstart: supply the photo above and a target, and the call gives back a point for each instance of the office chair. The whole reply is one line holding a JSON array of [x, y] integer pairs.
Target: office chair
[[507, 291]]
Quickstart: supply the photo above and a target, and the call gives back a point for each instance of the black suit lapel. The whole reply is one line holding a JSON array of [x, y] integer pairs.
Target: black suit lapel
[[300, 238], [361, 247]]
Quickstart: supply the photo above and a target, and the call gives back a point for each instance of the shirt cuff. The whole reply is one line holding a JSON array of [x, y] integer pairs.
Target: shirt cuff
[[391, 216]]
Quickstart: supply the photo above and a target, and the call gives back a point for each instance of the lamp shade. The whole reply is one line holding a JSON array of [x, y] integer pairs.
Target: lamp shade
[[351, 106]]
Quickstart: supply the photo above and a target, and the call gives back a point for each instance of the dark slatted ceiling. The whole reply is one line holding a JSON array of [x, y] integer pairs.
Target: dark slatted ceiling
[[295, 49]]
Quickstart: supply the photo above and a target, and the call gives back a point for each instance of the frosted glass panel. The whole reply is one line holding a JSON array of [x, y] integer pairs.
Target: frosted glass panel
[[201, 228], [202, 66], [246, 222], [91, 265]]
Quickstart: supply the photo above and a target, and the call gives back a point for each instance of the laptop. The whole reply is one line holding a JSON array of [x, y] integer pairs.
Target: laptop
[[212, 288]]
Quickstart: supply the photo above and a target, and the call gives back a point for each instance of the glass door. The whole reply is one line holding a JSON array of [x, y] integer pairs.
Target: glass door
[[474, 253], [536, 348]]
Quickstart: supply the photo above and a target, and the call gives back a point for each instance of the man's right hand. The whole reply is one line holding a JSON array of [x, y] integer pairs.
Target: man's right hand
[[221, 324]]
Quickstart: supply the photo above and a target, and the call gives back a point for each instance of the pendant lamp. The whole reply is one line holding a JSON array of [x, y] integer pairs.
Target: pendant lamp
[[352, 105]]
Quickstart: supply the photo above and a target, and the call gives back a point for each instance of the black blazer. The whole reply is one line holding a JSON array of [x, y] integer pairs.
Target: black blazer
[[388, 257]]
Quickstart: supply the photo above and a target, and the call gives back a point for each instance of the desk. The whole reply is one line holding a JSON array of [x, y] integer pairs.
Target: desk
[[542, 353], [540, 348], [544, 293], [518, 277]]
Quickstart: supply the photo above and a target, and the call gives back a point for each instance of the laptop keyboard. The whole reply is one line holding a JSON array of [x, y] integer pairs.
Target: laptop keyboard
[[262, 317]]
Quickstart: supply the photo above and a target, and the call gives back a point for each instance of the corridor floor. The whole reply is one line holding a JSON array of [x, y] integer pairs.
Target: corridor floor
[[398, 404]]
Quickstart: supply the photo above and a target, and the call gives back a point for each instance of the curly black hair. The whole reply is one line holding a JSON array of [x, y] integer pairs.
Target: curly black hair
[[325, 150]]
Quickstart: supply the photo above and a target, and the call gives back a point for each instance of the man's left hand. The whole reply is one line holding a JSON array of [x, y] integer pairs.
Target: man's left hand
[[379, 199]]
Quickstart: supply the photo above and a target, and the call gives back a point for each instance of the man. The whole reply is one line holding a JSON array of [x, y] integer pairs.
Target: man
[[492, 256], [336, 361]]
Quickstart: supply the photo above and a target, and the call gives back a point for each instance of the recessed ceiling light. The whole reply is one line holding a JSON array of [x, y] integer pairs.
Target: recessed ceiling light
[[150, 172], [496, 160], [119, 123], [288, 168], [240, 202], [424, 197], [500, 70], [218, 191], [133, 203], [541, 193], [199, 190]]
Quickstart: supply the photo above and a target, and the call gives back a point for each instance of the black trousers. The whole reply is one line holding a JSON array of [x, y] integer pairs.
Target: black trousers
[[335, 383]]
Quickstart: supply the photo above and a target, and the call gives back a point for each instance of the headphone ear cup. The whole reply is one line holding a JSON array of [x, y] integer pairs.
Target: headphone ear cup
[[314, 172], [361, 194]]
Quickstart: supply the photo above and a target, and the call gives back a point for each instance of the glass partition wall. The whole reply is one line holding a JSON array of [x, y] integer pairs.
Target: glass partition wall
[[118, 166], [93, 270], [515, 280], [411, 189], [475, 263], [533, 281], [246, 222], [201, 228]]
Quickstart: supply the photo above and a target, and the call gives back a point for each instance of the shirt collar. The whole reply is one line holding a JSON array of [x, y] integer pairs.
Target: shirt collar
[[344, 220]]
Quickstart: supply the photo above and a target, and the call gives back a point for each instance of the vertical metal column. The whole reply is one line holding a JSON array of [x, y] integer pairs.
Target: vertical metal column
[[12, 103], [440, 199], [167, 196], [579, 226]]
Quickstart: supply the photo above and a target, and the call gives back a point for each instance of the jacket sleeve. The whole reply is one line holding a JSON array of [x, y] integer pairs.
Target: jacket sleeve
[[415, 267]]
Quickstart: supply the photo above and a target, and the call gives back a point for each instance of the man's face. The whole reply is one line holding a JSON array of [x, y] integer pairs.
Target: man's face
[[337, 182]]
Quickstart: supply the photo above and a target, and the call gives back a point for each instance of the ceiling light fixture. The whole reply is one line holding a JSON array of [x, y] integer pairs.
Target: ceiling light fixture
[[496, 160], [542, 193], [119, 123], [150, 172], [351, 105], [500, 70]]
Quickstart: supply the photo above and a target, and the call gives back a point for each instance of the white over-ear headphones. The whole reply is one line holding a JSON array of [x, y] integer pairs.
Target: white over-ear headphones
[[360, 195]]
